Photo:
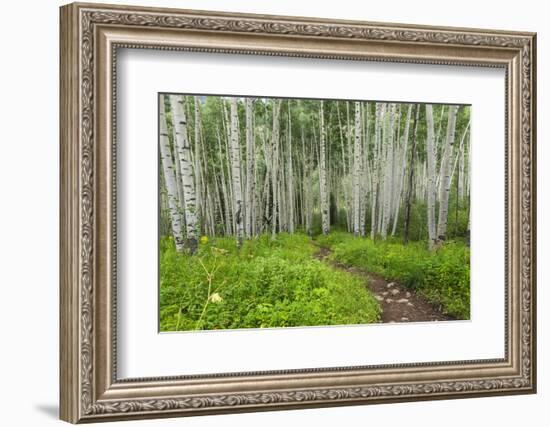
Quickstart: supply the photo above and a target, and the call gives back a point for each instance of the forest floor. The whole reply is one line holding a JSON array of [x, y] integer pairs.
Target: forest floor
[[397, 303]]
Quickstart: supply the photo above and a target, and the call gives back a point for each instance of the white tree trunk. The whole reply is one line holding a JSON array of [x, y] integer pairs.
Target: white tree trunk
[[344, 169], [461, 164], [307, 187], [197, 162], [174, 207], [236, 174], [365, 178], [226, 197], [431, 174], [388, 178], [290, 173], [357, 157], [250, 170], [184, 153], [375, 168], [325, 222], [401, 174], [446, 167], [275, 165]]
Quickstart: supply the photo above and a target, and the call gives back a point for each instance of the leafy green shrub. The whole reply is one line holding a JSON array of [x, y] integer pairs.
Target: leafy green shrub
[[442, 276], [268, 283]]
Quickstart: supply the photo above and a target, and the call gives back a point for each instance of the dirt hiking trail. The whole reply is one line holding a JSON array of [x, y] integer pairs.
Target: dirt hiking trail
[[398, 303]]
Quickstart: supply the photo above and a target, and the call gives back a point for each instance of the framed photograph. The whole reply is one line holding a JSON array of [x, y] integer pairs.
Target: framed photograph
[[267, 212]]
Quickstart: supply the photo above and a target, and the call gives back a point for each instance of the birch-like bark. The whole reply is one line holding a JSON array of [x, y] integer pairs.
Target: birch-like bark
[[376, 170], [236, 174], [226, 121], [461, 164], [431, 175], [250, 170], [307, 187], [365, 180], [266, 201], [197, 161], [226, 196], [410, 179], [325, 221], [357, 157], [401, 174], [290, 173], [437, 151], [179, 182], [388, 178], [446, 167], [275, 166], [170, 181], [283, 226], [184, 153], [344, 170]]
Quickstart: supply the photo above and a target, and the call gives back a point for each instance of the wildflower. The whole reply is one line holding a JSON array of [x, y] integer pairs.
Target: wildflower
[[218, 251], [216, 297]]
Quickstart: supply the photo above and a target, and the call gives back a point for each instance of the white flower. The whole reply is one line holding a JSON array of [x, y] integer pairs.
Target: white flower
[[216, 297]]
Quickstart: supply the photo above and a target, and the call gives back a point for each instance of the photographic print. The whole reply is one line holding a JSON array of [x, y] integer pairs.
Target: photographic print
[[319, 235], [306, 212]]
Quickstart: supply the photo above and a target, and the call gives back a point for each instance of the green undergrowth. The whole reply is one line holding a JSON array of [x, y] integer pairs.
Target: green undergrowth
[[442, 275], [268, 283]]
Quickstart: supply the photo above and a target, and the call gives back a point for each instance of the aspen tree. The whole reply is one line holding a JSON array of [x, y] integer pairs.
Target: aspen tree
[[197, 164], [290, 175], [184, 154], [357, 157], [250, 170], [431, 175], [170, 181], [410, 179], [275, 166], [325, 221], [445, 184], [403, 168], [236, 174], [375, 169]]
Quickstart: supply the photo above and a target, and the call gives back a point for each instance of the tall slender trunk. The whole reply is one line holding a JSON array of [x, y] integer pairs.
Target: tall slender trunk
[[325, 219], [197, 168], [344, 170], [275, 165], [375, 170], [401, 174], [179, 182], [357, 157], [169, 179], [364, 170], [431, 174], [236, 174], [410, 179], [225, 192], [388, 180], [184, 152], [436, 149], [250, 170], [306, 187], [461, 164], [227, 127], [266, 202], [446, 166], [290, 173]]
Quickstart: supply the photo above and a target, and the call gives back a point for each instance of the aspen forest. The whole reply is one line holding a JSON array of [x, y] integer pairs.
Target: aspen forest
[[306, 212]]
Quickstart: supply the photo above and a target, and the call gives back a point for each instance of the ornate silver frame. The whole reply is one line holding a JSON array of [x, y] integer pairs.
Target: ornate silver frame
[[90, 36]]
